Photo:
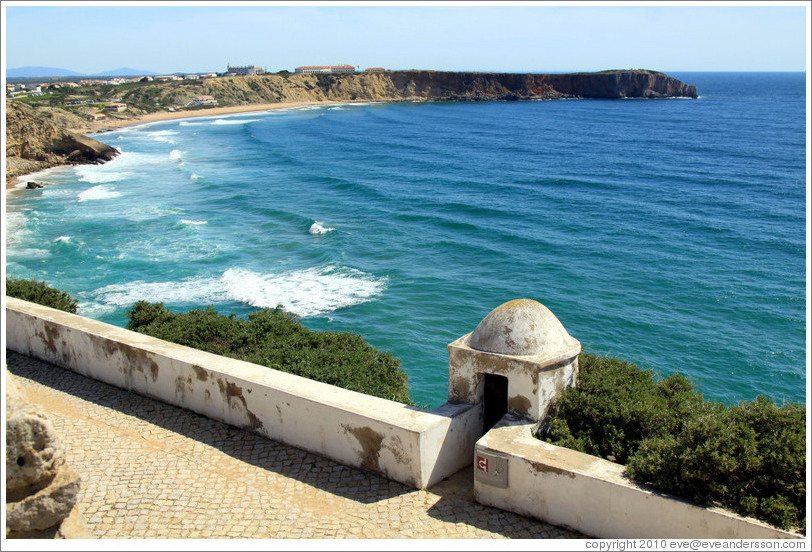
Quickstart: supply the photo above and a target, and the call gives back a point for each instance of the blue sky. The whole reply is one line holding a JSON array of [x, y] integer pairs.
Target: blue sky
[[540, 38]]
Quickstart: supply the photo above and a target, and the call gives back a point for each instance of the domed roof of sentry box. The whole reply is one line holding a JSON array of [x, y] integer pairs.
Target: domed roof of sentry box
[[521, 327]]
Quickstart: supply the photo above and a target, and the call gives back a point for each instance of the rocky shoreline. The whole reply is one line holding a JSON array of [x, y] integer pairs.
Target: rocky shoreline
[[34, 142]]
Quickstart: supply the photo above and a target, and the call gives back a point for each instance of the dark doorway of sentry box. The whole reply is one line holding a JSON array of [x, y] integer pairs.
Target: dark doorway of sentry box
[[495, 400]]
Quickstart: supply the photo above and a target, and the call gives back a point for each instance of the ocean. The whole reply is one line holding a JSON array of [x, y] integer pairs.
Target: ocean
[[670, 233]]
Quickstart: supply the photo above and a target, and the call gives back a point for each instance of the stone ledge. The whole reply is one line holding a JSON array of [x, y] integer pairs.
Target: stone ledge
[[406, 444], [591, 495]]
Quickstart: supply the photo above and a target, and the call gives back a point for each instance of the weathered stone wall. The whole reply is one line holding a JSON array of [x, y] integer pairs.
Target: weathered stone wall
[[402, 443], [591, 495]]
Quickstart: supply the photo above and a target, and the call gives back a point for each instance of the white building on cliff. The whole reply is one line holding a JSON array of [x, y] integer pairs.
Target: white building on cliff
[[307, 69], [246, 70]]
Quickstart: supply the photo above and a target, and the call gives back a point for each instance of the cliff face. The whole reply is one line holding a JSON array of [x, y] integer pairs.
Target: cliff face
[[621, 84], [443, 85], [409, 85], [35, 141], [509, 86]]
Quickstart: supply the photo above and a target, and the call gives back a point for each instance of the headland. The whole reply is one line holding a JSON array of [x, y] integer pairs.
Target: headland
[[47, 132]]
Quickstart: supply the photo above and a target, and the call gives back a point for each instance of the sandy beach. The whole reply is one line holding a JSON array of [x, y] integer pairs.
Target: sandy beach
[[110, 124], [14, 184]]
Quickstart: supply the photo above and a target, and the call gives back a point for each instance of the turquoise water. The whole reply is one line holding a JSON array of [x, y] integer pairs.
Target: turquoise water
[[667, 232]]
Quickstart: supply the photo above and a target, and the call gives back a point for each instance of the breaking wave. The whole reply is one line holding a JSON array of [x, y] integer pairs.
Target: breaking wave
[[233, 121], [309, 292], [317, 229], [163, 136], [97, 193]]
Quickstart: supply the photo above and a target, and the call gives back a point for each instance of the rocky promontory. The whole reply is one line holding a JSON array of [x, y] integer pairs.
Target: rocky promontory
[[534, 86], [425, 85], [35, 141]]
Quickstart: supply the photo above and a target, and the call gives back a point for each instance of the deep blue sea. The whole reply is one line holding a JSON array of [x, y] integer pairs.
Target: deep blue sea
[[670, 233]]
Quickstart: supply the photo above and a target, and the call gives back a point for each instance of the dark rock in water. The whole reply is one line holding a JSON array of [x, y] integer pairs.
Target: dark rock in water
[[33, 186]]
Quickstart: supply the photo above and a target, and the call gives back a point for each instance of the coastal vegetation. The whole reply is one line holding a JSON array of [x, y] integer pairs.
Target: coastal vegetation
[[275, 338], [268, 337], [749, 457], [40, 293]]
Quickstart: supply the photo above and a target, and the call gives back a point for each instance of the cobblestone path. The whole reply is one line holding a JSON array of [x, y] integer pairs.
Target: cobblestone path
[[151, 470]]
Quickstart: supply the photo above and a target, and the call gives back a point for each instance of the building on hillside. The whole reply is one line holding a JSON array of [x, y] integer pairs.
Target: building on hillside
[[116, 107], [375, 70], [246, 70], [167, 78], [309, 69], [202, 100], [97, 116]]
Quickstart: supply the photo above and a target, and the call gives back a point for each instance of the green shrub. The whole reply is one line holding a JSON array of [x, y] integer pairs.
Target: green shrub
[[616, 405], [276, 339], [750, 457], [41, 293]]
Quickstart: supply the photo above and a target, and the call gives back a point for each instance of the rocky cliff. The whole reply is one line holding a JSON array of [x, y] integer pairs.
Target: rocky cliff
[[35, 141], [411, 85], [511, 86]]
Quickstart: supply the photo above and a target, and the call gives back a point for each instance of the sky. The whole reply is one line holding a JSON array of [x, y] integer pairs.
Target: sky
[[454, 36]]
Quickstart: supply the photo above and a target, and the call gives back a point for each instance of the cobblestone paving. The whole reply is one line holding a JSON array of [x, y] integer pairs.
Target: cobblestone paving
[[151, 470]]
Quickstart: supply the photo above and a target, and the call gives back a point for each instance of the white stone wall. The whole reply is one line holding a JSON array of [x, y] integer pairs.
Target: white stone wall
[[591, 495], [403, 443]]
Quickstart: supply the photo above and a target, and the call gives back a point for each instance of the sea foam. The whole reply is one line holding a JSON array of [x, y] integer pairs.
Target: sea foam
[[97, 193], [163, 136], [15, 222], [87, 173], [233, 121], [187, 291], [309, 292], [317, 229]]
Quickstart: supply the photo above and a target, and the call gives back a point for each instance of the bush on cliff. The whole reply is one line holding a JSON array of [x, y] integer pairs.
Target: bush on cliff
[[41, 293], [275, 338], [750, 457]]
